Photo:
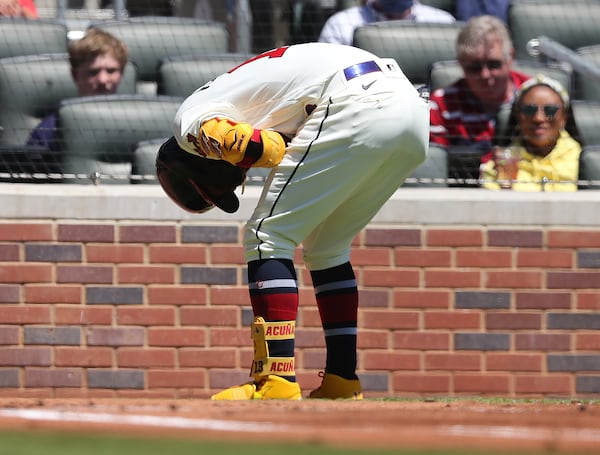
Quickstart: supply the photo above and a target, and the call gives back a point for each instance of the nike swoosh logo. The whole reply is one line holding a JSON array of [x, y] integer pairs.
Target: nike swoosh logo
[[367, 86]]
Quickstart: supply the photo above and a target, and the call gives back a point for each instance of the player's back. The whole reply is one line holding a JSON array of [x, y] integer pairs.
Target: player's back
[[273, 90]]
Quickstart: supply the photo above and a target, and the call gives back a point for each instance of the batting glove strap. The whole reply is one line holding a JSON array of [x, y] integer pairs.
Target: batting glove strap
[[273, 149]]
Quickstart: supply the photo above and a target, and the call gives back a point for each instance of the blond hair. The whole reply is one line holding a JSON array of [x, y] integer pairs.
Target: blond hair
[[483, 30]]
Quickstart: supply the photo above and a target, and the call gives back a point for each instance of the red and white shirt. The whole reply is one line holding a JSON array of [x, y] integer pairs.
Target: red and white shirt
[[458, 118]]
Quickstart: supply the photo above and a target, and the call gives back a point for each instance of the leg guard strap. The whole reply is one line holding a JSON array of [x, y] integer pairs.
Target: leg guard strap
[[263, 364]]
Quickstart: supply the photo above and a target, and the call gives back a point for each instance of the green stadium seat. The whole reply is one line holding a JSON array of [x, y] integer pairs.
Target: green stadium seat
[[144, 161], [28, 164], [572, 23], [182, 75], [414, 45], [20, 36], [101, 134], [152, 39], [586, 115], [589, 166], [433, 172], [586, 87]]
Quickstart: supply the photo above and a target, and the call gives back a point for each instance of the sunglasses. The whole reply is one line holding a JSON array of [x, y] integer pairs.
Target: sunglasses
[[477, 66], [529, 110]]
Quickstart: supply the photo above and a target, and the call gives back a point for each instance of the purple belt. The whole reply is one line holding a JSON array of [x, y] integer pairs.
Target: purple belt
[[361, 68]]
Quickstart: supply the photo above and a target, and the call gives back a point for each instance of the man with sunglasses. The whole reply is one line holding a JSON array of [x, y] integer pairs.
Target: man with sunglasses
[[465, 112]]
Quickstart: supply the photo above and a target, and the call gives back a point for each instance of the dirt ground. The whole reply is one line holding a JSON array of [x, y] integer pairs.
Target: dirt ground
[[565, 427]]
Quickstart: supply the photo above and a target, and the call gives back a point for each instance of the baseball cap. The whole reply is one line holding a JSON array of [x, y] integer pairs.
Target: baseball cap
[[394, 6]]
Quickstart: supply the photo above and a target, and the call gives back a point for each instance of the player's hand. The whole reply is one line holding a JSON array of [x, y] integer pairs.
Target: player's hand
[[226, 140], [240, 144]]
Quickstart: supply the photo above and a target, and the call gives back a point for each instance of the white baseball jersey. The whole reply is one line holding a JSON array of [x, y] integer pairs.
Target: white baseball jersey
[[270, 91], [358, 128]]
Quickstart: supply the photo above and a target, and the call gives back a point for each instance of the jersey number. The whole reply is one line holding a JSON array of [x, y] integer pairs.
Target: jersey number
[[258, 367]]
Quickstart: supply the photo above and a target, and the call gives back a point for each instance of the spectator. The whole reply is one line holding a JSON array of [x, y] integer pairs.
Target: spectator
[[97, 63], [465, 112], [546, 157], [467, 9], [18, 8], [339, 28]]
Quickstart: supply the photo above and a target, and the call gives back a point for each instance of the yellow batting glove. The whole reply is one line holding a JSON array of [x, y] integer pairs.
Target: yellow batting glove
[[240, 144], [213, 143]]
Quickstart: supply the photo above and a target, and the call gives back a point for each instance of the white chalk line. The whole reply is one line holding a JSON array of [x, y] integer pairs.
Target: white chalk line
[[140, 420]]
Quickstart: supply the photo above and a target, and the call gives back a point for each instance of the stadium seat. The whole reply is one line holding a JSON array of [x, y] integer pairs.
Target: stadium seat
[[101, 133], [445, 72], [144, 160], [433, 172], [586, 115], [31, 87], [586, 87], [589, 166], [28, 164], [181, 75], [414, 45], [463, 165], [31, 36], [152, 39], [572, 23]]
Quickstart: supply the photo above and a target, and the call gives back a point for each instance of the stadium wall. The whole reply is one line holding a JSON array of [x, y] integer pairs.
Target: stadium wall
[[113, 291]]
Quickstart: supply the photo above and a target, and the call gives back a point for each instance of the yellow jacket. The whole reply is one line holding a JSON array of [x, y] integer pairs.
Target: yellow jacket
[[557, 171]]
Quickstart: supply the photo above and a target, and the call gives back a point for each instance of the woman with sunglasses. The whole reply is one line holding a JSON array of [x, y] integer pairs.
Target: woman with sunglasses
[[542, 156]]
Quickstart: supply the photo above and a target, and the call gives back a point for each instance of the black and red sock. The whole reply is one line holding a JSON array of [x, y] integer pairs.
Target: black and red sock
[[337, 298]]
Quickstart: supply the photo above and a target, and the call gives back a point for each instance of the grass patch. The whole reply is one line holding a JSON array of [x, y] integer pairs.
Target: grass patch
[[67, 443]]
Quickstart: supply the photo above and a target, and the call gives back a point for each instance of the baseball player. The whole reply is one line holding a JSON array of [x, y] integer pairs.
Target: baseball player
[[341, 130]]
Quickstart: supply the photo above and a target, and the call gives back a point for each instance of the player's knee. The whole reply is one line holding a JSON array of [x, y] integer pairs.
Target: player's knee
[[321, 260]]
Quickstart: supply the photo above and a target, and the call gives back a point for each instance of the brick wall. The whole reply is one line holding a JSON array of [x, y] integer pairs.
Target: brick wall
[[98, 305]]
